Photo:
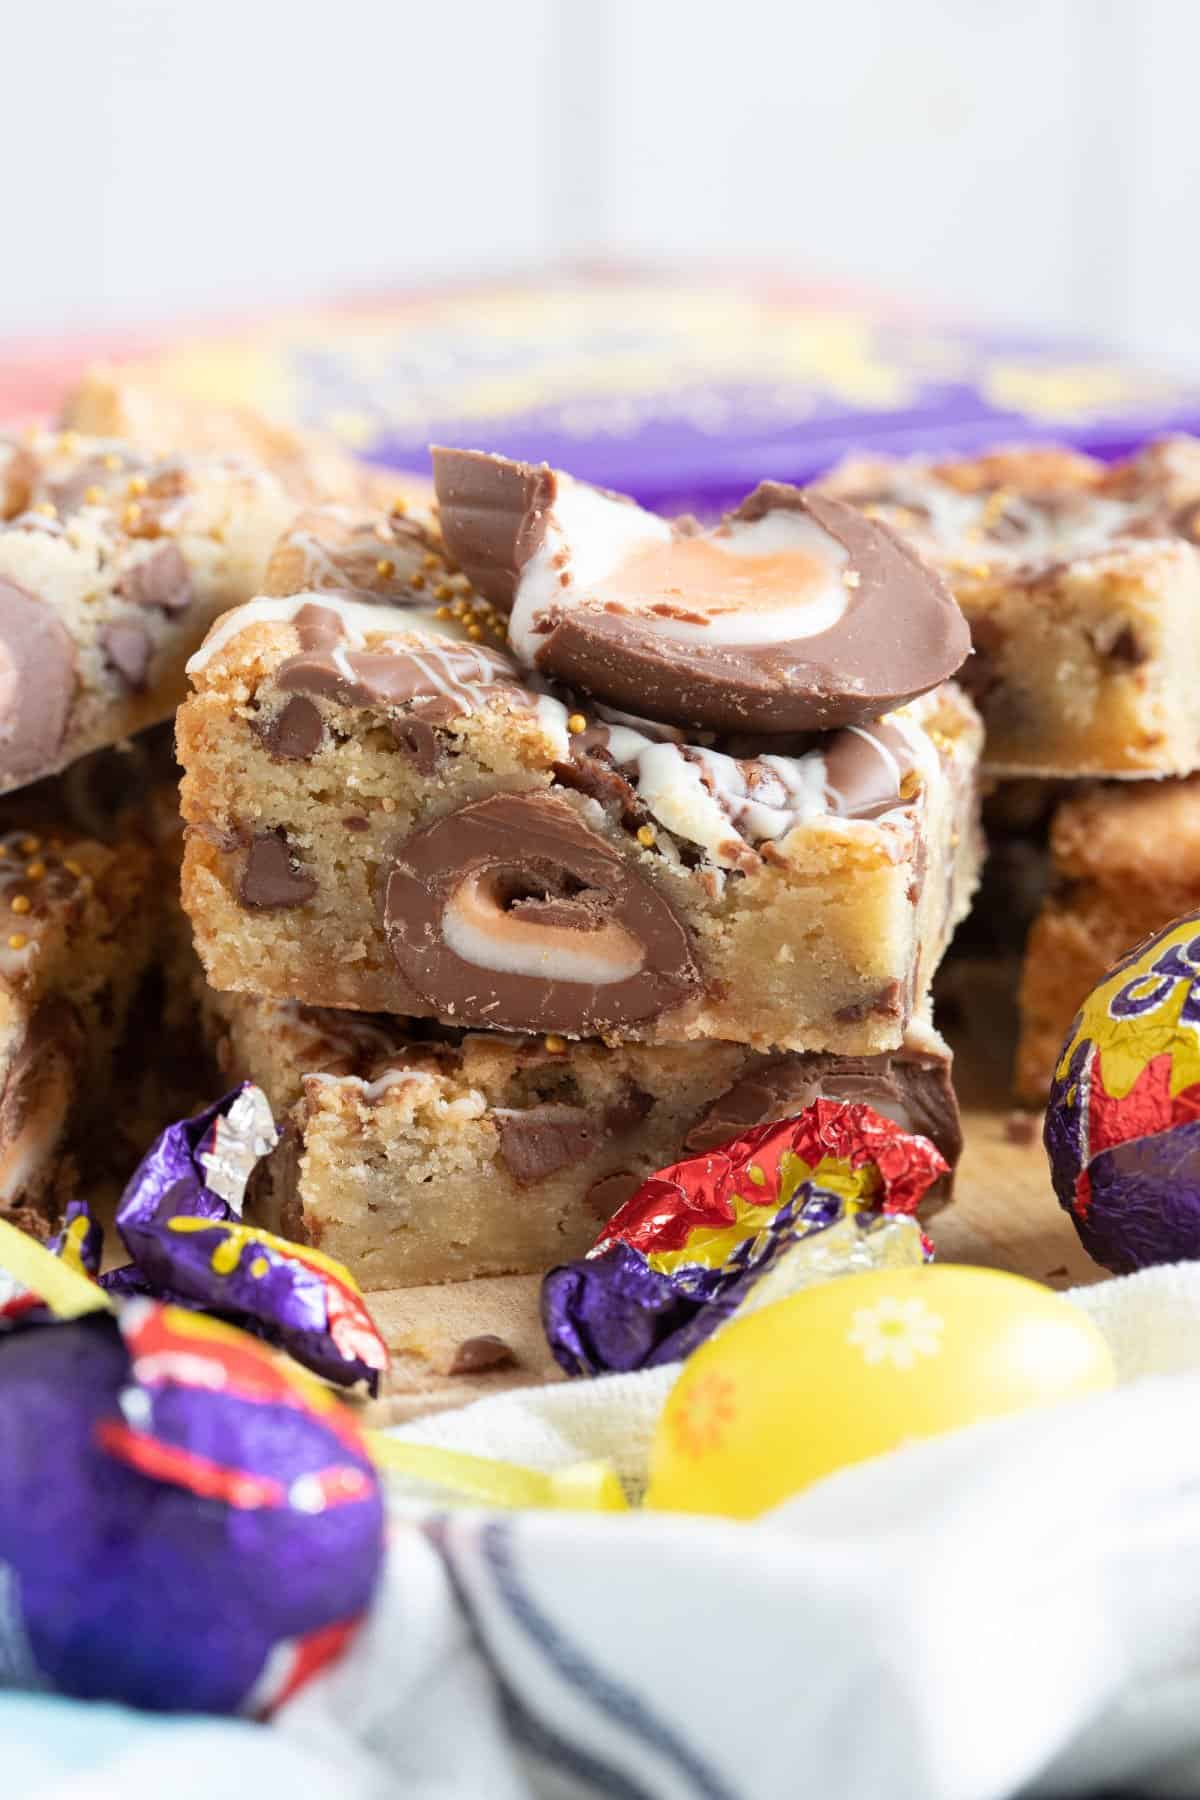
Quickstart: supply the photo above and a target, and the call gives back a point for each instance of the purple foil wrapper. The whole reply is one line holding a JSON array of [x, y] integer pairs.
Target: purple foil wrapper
[[185, 1525], [188, 1243]]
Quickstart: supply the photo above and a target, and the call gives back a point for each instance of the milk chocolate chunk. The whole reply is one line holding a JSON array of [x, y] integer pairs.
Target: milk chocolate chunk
[[795, 613], [37, 682], [273, 877], [512, 913], [127, 650], [161, 580], [296, 732], [478, 1355]]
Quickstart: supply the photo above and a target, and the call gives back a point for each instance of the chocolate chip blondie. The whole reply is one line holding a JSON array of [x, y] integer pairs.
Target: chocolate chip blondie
[[113, 564], [433, 1155], [78, 931], [384, 813], [1081, 585], [1125, 862]]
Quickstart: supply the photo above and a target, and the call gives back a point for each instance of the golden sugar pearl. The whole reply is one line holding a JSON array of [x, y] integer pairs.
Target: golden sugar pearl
[[646, 835], [94, 495], [910, 787], [417, 580], [35, 870], [475, 632], [30, 844], [443, 612], [553, 1044], [399, 506], [132, 513], [385, 568], [576, 723], [981, 571], [17, 940], [47, 509], [431, 560], [443, 591], [21, 903], [112, 460], [137, 485]]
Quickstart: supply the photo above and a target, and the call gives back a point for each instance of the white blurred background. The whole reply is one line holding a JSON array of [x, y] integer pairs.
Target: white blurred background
[[1025, 160]]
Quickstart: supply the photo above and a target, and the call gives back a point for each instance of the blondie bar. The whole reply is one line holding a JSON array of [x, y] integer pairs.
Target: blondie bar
[[1081, 585], [78, 931], [384, 816], [433, 1156], [1125, 862], [112, 566]]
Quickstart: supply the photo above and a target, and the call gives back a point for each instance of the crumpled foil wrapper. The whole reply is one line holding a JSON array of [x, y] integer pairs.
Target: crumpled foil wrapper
[[700, 1238], [180, 1220], [187, 1521], [1122, 1126]]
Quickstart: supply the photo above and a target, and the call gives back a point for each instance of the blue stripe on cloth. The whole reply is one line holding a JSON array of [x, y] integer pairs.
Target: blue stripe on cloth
[[529, 1731], [619, 1703]]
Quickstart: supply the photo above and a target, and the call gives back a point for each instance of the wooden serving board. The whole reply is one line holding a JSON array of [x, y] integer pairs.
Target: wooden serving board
[[1004, 1216]]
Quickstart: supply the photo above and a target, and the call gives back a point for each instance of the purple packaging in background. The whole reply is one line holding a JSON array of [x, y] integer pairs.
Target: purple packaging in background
[[684, 390]]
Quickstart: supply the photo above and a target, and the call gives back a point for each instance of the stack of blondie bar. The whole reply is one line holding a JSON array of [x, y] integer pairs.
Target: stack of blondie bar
[[534, 841], [1081, 584], [114, 561]]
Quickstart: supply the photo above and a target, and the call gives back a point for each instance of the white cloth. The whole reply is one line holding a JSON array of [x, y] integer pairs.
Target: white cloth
[[1014, 1609]]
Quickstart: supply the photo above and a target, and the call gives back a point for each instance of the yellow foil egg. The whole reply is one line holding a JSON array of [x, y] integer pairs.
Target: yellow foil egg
[[860, 1365]]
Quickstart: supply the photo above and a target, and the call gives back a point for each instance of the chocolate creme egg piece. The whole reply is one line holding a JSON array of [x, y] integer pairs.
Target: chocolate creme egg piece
[[512, 913], [795, 613]]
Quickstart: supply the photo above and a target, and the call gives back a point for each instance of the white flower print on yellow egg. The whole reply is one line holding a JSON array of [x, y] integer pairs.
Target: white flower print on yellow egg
[[896, 1331]]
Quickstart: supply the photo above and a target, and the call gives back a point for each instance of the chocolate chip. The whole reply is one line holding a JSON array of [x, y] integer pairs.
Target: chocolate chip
[[537, 1141], [37, 684], [356, 822], [609, 1194], [161, 580], [1128, 649], [418, 739], [294, 734], [883, 1005], [127, 650], [479, 1355], [272, 877]]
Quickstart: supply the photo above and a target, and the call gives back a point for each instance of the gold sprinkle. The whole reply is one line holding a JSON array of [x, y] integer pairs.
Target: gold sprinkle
[[851, 577], [385, 568], [22, 903], [132, 513], [553, 1044], [47, 509], [35, 870], [30, 844], [17, 940], [443, 591], [910, 787], [646, 835], [431, 561], [981, 571], [443, 612], [137, 485], [576, 723], [417, 580], [94, 495], [400, 505], [475, 632], [112, 460], [73, 868], [459, 610]]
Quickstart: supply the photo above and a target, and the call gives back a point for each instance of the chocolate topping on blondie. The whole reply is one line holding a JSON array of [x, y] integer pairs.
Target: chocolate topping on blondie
[[796, 613], [512, 909]]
